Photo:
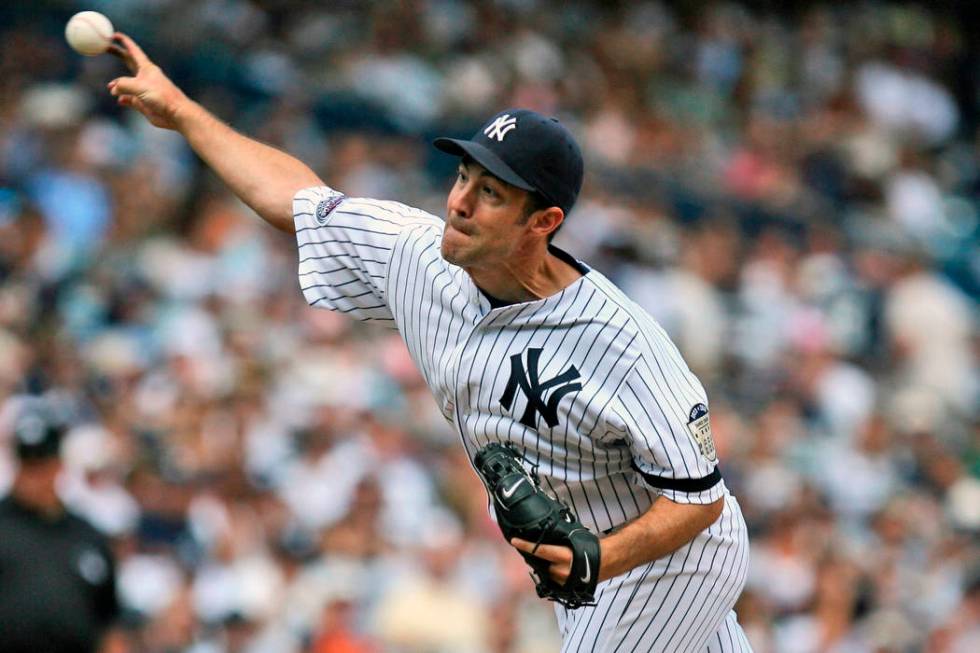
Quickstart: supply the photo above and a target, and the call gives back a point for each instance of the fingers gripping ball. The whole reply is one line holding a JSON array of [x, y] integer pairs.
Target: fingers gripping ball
[[524, 510], [89, 33]]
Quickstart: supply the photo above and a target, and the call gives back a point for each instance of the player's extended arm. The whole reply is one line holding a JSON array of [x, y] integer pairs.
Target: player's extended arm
[[265, 178], [662, 529]]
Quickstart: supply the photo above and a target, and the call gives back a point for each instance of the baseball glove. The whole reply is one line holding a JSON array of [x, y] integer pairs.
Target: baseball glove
[[526, 511]]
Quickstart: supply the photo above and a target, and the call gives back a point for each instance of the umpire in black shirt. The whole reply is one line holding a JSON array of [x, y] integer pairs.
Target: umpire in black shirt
[[57, 576]]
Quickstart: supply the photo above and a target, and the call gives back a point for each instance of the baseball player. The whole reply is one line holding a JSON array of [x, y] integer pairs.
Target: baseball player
[[519, 343]]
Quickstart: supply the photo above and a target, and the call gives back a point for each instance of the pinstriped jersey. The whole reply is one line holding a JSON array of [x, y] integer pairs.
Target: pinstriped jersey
[[586, 383]]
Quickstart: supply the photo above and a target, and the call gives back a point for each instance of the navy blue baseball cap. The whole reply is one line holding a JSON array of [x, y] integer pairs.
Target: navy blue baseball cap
[[527, 150]]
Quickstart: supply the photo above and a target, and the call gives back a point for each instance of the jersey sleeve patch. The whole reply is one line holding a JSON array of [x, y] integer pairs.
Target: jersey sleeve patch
[[699, 425], [325, 207]]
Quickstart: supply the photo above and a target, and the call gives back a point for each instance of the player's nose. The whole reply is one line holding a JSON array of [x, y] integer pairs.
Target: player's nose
[[460, 203]]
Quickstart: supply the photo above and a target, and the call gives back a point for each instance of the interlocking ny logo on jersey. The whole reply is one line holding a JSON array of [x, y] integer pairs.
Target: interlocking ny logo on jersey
[[499, 127], [534, 389]]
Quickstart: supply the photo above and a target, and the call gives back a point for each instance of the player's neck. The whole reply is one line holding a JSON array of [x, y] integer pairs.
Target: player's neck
[[525, 278]]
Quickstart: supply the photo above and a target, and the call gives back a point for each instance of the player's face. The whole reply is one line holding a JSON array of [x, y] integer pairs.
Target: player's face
[[485, 218]]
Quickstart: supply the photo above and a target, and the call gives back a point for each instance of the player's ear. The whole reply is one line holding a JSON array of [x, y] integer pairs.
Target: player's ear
[[545, 221]]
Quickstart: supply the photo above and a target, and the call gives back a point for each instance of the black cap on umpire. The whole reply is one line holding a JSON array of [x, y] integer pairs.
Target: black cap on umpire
[[37, 433], [529, 151]]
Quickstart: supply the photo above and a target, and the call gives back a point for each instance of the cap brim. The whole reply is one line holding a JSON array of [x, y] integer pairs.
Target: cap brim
[[484, 157]]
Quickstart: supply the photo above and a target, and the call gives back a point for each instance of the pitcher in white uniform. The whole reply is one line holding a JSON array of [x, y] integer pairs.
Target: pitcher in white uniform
[[519, 342]]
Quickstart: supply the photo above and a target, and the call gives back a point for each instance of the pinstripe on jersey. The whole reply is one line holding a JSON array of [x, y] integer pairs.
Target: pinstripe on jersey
[[585, 382]]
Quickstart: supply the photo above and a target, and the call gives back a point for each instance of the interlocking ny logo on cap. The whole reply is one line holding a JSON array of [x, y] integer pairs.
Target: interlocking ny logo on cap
[[500, 126]]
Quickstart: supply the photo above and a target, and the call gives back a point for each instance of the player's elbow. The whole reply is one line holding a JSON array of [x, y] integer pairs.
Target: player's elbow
[[702, 516], [712, 511], [715, 510]]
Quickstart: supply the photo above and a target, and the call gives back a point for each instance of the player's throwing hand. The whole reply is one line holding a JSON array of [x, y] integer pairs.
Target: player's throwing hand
[[148, 91]]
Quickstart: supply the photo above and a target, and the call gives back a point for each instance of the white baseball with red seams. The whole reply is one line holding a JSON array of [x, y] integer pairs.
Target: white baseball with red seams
[[89, 33]]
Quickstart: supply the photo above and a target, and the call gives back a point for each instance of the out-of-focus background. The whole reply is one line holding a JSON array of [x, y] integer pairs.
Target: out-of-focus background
[[792, 193]]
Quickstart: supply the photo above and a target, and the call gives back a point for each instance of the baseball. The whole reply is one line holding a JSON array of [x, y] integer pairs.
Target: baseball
[[89, 33]]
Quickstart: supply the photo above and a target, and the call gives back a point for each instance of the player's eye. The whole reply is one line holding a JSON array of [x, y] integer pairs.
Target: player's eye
[[460, 176], [489, 192]]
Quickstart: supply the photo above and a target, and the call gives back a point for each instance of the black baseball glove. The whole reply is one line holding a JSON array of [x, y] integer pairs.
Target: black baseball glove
[[526, 511]]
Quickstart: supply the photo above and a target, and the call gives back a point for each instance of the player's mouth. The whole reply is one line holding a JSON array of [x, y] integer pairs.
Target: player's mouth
[[463, 230]]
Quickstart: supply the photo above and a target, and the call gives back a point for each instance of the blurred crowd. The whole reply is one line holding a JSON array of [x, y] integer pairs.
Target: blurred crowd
[[794, 196]]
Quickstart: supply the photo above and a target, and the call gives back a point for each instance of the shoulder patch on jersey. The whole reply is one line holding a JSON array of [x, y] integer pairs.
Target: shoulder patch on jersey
[[699, 424], [324, 208]]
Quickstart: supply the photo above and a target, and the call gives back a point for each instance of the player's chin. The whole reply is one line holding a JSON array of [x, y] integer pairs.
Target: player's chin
[[451, 255], [453, 246]]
